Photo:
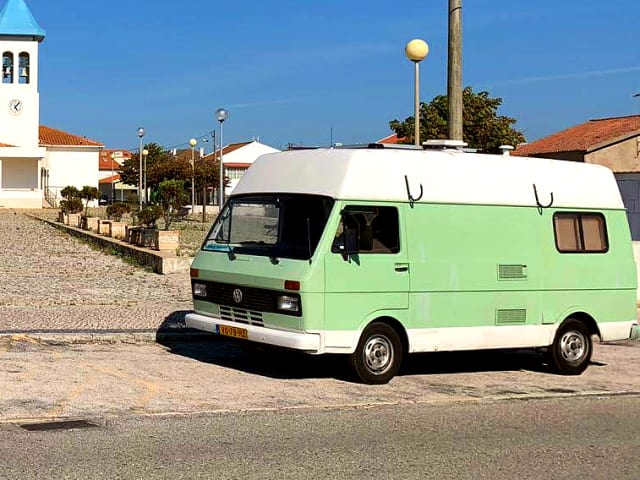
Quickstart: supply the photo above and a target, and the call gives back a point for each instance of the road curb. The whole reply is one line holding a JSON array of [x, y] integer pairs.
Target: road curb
[[102, 338]]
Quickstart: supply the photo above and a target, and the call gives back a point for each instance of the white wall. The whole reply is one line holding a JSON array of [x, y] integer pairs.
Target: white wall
[[77, 166], [21, 130]]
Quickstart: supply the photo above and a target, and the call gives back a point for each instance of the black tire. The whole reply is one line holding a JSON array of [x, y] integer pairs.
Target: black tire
[[378, 355], [570, 352]]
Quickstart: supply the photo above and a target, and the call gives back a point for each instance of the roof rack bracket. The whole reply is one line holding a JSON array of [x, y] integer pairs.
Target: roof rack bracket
[[412, 200], [540, 206]]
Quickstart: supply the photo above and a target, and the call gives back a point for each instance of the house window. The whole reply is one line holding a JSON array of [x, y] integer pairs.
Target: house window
[[7, 67], [580, 233], [378, 229], [235, 173], [23, 68]]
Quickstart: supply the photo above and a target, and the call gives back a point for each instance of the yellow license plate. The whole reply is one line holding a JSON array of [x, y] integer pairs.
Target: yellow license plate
[[234, 332]]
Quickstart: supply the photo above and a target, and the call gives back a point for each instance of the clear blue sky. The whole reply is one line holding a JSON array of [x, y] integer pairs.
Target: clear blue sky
[[289, 71]]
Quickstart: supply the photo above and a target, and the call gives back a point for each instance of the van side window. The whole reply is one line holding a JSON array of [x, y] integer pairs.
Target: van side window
[[580, 233], [378, 229]]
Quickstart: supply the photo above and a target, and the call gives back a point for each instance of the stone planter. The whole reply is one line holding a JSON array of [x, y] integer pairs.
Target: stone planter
[[132, 234], [72, 219], [117, 230], [104, 227], [90, 223], [166, 240], [146, 238]]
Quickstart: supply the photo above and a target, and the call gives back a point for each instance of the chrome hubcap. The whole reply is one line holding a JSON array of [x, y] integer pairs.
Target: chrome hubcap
[[573, 346], [378, 354]]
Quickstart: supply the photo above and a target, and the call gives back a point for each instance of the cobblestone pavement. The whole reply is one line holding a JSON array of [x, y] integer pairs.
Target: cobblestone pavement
[[50, 281]]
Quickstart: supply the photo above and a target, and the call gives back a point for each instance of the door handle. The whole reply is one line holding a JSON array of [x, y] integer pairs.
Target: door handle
[[402, 267]]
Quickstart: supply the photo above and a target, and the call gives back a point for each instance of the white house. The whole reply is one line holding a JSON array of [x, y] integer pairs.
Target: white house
[[238, 157], [36, 162]]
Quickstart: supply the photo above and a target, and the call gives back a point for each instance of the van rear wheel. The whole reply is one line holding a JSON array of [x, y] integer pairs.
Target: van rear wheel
[[378, 355], [571, 350]]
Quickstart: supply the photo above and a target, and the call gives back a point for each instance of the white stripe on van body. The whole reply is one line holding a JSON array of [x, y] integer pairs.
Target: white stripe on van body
[[454, 338], [450, 177], [448, 339], [611, 331]]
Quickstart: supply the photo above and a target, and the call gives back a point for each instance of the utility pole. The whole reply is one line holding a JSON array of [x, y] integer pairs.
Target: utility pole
[[454, 76]]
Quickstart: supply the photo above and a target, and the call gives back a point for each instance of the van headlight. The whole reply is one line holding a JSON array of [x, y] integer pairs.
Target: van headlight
[[199, 290], [288, 303]]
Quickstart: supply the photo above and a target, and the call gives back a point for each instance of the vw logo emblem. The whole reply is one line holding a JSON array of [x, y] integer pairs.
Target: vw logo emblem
[[237, 295]]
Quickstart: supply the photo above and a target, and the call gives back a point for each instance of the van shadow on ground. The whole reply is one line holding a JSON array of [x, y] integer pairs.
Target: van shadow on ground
[[284, 364]]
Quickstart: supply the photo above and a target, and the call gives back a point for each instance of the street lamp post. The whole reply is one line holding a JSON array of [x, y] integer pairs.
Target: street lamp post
[[193, 142], [221, 116], [113, 174], [416, 51], [145, 152], [141, 133]]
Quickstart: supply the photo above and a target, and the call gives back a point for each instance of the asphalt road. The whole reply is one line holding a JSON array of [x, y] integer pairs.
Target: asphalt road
[[561, 438]]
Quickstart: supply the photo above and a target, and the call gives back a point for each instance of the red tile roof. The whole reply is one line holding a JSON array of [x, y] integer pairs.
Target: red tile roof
[[52, 136], [109, 180], [228, 149], [392, 139], [582, 137], [108, 162]]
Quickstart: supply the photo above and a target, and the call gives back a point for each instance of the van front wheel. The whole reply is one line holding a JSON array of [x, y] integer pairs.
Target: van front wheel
[[571, 350], [378, 355]]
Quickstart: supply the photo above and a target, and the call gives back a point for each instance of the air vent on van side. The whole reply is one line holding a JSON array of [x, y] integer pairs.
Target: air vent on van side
[[511, 316], [512, 272]]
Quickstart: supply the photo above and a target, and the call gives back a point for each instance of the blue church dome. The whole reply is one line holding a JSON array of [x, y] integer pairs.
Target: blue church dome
[[17, 19]]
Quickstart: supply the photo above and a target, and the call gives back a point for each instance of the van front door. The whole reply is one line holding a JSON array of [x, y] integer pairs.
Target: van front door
[[373, 281]]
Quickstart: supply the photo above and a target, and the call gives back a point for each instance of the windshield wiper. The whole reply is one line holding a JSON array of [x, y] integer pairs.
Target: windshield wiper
[[260, 243]]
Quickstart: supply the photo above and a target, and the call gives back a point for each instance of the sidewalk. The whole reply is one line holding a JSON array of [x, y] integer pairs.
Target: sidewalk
[[53, 284]]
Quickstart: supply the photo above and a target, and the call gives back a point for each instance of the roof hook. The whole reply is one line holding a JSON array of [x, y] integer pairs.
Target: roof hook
[[540, 206], [412, 200]]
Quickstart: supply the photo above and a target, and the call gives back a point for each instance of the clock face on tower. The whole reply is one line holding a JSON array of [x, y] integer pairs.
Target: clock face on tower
[[15, 106]]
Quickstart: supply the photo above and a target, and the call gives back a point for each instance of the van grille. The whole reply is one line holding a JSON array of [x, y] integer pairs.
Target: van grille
[[254, 299], [239, 315]]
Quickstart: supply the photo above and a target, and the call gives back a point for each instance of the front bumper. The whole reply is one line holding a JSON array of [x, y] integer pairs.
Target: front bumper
[[309, 342]]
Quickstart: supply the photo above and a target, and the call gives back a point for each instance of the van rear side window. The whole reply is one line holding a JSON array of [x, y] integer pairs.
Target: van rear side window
[[580, 233]]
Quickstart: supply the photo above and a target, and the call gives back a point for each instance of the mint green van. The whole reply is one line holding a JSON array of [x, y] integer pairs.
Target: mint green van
[[379, 252]]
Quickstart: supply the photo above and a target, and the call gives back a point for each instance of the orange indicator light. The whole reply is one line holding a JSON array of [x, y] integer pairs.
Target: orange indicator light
[[291, 285]]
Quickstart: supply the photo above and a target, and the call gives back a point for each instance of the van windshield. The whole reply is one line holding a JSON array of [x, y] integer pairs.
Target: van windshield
[[276, 225]]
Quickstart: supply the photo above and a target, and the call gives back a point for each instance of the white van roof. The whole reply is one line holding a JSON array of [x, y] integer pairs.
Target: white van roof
[[446, 176]]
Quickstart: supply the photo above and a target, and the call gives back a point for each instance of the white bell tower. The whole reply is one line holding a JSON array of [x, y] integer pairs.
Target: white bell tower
[[20, 36]]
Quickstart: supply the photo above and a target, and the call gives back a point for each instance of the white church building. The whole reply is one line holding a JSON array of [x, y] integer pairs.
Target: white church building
[[36, 162]]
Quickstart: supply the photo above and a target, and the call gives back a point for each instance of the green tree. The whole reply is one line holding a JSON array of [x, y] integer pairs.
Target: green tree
[[88, 194], [171, 198], [482, 127], [72, 202]]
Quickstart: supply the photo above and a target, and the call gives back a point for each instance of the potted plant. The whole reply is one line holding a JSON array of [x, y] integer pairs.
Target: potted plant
[[171, 198], [71, 206], [148, 217], [117, 228]]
